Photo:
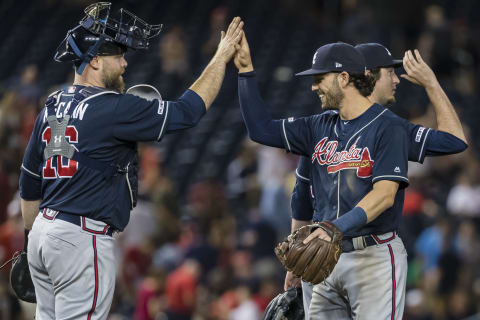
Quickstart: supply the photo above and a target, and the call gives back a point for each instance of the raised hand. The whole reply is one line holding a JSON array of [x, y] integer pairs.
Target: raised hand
[[418, 71], [226, 47], [243, 60]]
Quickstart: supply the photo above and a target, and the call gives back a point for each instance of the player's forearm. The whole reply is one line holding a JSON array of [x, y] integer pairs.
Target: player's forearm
[[379, 199], [447, 118], [297, 224], [29, 212], [260, 125], [370, 207], [210, 81]]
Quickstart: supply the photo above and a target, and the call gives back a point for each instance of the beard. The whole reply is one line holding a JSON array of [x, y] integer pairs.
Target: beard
[[113, 81], [387, 101], [334, 98], [390, 101]]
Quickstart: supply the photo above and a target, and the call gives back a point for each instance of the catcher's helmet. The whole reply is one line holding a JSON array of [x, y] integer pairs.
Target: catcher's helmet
[[100, 34]]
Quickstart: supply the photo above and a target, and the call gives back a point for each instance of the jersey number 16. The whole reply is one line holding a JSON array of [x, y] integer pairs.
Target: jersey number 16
[[60, 171]]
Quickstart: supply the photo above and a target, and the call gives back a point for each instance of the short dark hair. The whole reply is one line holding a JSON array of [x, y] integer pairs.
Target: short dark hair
[[364, 83]]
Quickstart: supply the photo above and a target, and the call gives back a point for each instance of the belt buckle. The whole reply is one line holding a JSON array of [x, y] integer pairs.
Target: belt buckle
[[359, 243]]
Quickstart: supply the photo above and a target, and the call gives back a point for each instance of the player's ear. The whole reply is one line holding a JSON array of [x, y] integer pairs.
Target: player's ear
[[343, 78], [95, 63]]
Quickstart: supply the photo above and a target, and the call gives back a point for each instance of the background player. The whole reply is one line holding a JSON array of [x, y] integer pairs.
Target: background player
[[423, 141], [71, 248], [359, 184]]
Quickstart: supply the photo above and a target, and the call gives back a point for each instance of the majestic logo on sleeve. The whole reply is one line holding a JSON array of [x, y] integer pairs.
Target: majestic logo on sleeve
[[354, 158]]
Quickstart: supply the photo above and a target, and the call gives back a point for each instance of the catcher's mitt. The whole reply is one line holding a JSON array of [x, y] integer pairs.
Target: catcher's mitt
[[20, 278], [314, 261], [286, 306]]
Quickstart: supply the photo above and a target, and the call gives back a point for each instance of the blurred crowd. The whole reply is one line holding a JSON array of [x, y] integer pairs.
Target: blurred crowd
[[209, 254]]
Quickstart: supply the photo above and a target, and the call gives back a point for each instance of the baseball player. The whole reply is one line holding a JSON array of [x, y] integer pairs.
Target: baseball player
[[423, 142], [359, 154], [79, 173]]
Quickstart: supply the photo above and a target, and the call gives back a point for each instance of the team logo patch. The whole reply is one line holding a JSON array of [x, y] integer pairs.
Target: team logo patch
[[354, 158], [397, 170], [418, 137], [290, 119], [338, 65]]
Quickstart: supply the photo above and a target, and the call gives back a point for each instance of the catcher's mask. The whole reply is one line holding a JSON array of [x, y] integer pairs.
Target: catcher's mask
[[99, 34]]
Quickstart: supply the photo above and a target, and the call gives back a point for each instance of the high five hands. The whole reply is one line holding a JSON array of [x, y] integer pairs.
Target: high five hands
[[229, 40], [242, 59]]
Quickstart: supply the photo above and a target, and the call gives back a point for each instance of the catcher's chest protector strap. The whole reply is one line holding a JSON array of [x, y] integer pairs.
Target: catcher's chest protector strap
[[58, 145]]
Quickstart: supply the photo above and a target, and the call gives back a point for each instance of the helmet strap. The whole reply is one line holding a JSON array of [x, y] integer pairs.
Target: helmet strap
[[87, 56]]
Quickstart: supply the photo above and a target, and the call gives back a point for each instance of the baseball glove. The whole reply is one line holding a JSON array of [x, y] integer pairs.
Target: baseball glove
[[20, 278], [286, 306], [312, 262]]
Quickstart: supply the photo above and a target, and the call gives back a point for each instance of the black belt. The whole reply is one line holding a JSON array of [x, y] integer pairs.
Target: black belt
[[363, 242], [77, 220]]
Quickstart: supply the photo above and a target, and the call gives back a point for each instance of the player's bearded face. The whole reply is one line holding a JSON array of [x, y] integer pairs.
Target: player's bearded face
[[329, 91], [112, 75]]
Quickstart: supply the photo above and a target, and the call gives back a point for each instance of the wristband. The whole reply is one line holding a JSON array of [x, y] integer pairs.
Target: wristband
[[351, 220]]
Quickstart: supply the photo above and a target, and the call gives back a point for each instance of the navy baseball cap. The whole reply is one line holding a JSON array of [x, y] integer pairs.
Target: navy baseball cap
[[336, 57], [377, 56]]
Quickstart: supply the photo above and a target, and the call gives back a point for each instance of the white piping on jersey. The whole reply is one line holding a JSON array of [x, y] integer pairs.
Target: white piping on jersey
[[300, 176], [164, 120], [96, 95], [285, 135], [363, 128], [423, 144], [338, 195], [129, 187], [335, 129], [57, 100], [36, 175], [390, 176]]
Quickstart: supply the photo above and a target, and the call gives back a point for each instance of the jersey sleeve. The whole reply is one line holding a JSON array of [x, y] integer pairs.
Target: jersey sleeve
[[137, 119], [418, 136], [430, 142], [297, 135], [33, 158], [185, 112], [30, 180], [301, 203], [391, 156], [303, 171], [441, 143]]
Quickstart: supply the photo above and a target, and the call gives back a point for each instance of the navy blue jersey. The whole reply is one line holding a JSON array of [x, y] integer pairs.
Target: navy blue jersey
[[348, 157], [422, 141], [106, 127]]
